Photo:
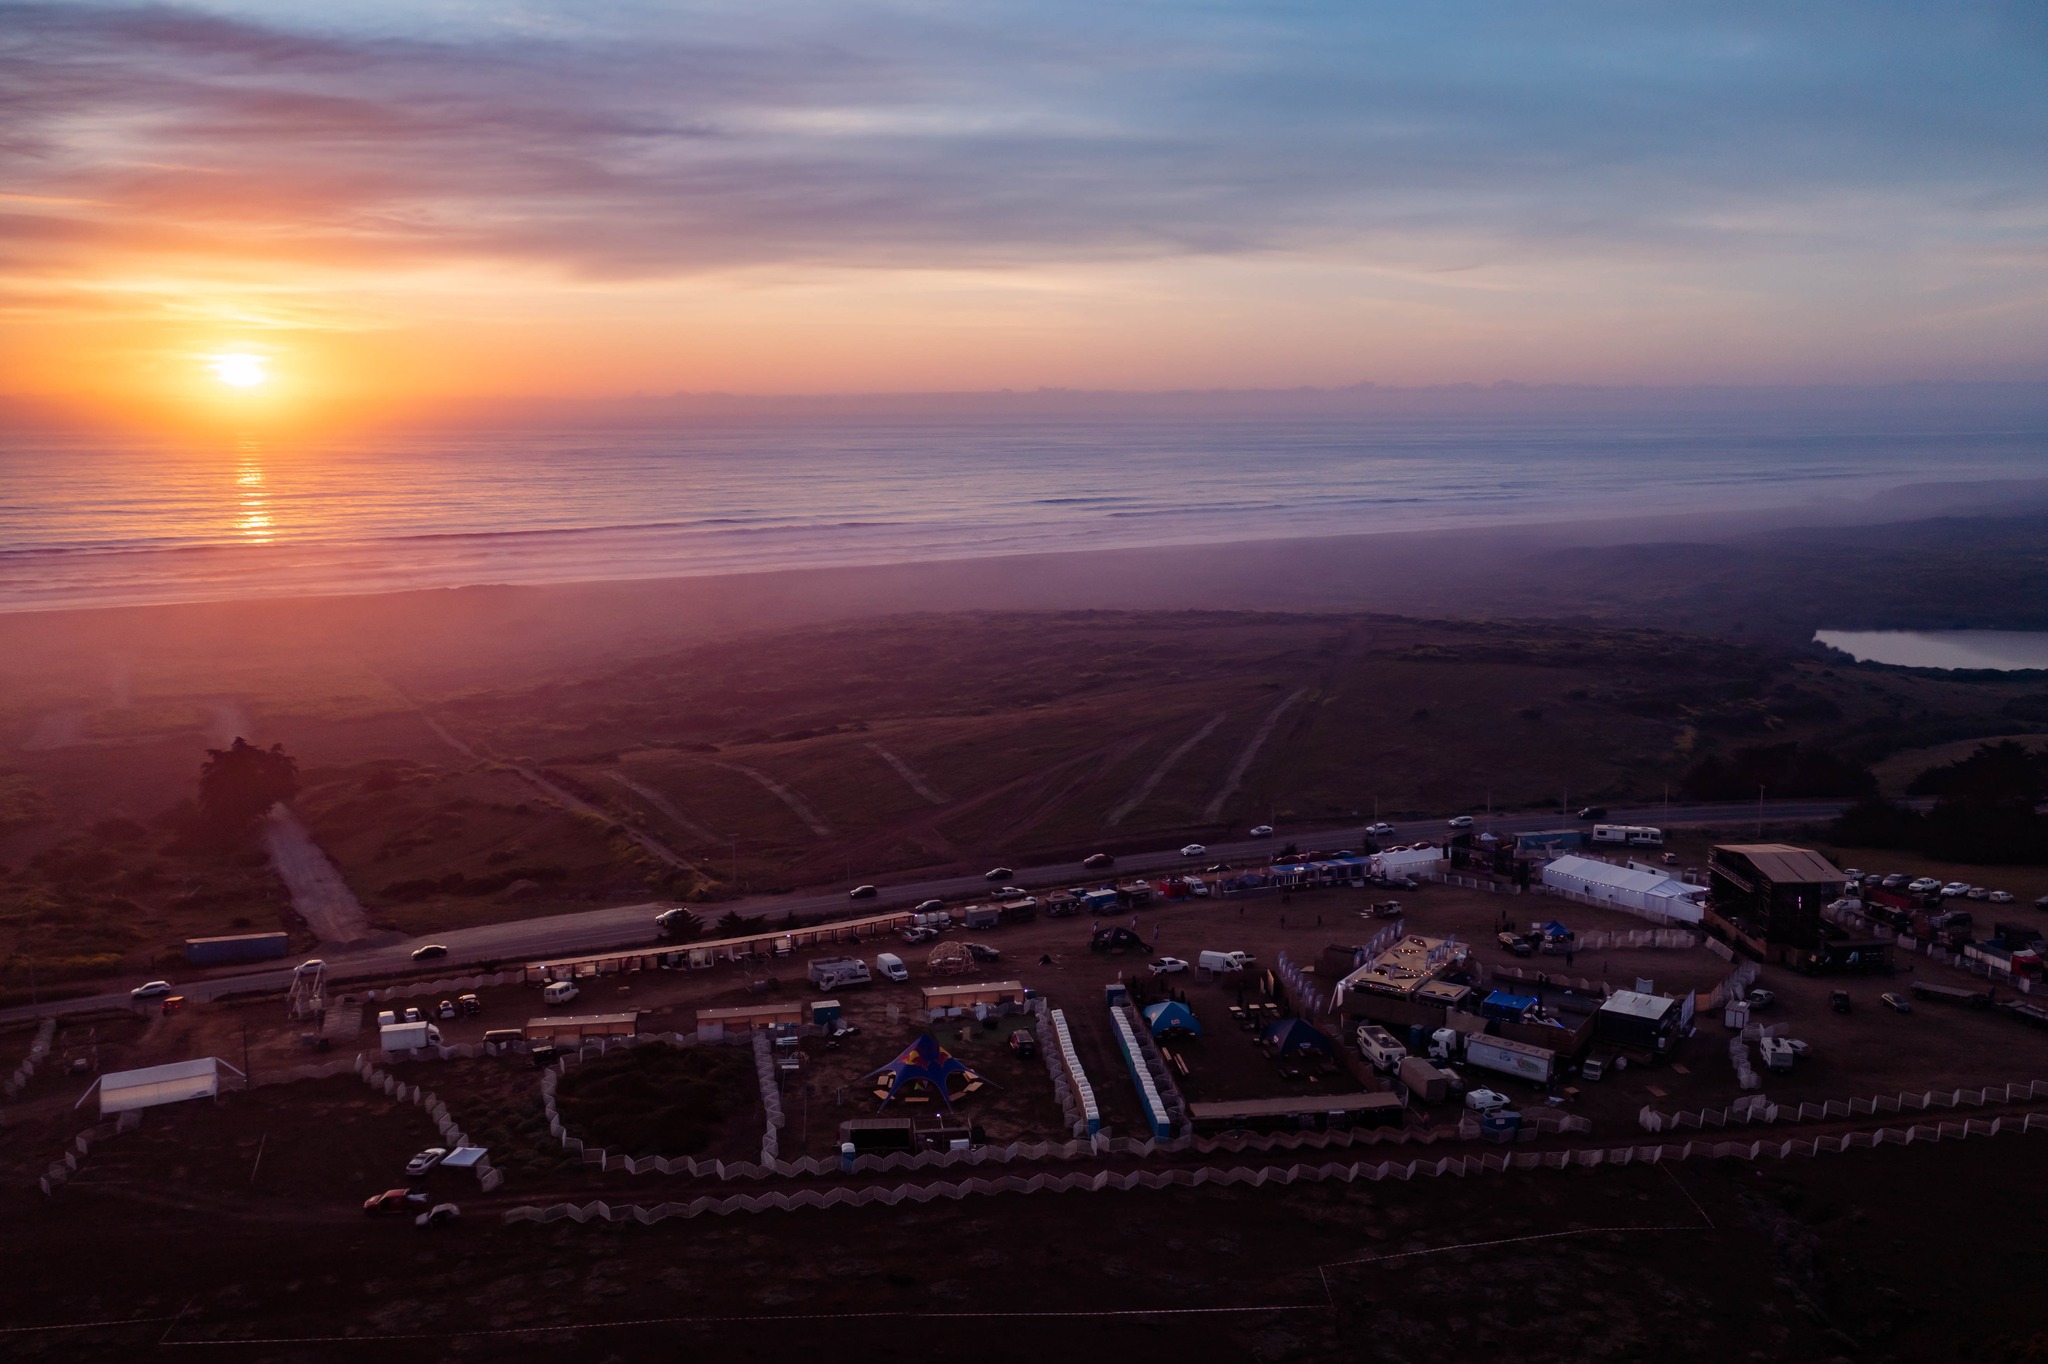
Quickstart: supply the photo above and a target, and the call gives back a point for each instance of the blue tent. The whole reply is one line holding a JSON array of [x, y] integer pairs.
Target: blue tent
[[1506, 1007], [1555, 930], [1293, 1037], [924, 1062], [1172, 1016]]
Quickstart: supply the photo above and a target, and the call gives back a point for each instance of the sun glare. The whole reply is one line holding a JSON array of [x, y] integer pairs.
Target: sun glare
[[239, 370]]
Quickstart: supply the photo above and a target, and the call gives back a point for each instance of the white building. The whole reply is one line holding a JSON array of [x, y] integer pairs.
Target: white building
[[1629, 888]]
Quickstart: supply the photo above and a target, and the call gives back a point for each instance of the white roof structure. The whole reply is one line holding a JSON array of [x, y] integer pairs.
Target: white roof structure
[[1627, 887], [121, 1091]]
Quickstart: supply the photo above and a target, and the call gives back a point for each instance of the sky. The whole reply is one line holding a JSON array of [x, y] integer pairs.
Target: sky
[[396, 205]]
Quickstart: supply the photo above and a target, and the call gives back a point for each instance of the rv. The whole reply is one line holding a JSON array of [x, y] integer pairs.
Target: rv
[[836, 973], [1631, 835], [1378, 1046]]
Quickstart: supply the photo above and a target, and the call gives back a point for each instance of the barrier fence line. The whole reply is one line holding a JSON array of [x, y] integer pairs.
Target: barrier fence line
[[487, 1175], [1757, 1109], [1240, 1176], [62, 1169], [38, 1048]]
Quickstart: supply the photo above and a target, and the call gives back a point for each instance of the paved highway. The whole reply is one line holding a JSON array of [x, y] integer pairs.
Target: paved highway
[[597, 930]]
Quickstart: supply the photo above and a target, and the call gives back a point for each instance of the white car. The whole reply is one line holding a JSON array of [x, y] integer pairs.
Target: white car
[[310, 966], [1485, 1100], [426, 1160], [1263, 831], [1761, 998], [1976, 893], [156, 989], [439, 1215], [1923, 885], [1379, 830], [1461, 821], [1955, 888], [1168, 966], [1194, 850], [2000, 897]]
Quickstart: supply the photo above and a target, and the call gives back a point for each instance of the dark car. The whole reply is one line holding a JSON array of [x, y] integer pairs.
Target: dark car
[[1593, 812], [469, 1004], [1024, 1044], [1840, 1002], [997, 874], [429, 952], [862, 893], [983, 952], [1098, 860]]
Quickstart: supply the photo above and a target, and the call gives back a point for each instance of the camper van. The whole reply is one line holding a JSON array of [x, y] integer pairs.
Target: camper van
[[559, 992], [836, 973], [1223, 961], [1378, 1046], [891, 966]]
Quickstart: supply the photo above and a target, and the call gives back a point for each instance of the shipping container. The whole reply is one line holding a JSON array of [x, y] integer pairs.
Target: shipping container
[[236, 947]]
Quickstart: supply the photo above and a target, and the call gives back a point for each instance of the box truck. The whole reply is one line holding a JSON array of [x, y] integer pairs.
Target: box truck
[[1429, 1083], [406, 1036], [836, 973]]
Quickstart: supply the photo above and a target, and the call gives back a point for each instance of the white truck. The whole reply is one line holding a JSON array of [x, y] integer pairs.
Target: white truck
[[1509, 1057], [407, 1036], [836, 973], [1223, 961], [1378, 1046]]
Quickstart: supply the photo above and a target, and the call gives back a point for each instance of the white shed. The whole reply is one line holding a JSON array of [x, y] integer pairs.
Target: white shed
[[123, 1090], [1629, 888]]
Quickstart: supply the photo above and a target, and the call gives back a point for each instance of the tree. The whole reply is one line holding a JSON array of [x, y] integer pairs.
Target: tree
[[239, 783]]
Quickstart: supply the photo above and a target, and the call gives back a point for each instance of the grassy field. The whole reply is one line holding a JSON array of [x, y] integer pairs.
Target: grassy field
[[838, 753]]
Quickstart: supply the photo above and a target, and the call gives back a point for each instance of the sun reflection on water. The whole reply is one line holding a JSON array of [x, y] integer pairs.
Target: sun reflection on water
[[252, 511]]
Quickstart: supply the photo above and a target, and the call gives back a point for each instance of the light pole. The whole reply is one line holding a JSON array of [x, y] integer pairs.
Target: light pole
[[1759, 811], [733, 840]]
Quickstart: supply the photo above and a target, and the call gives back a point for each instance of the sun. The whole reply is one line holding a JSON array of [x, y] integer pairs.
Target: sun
[[239, 370]]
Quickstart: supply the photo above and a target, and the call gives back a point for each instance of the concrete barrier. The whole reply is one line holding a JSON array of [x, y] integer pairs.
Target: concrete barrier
[[1760, 1110]]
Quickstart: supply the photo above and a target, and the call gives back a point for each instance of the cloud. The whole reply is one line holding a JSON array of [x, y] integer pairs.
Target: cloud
[[992, 136]]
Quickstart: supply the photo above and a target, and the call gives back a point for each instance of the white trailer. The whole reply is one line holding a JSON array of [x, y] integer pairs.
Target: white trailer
[[407, 1036], [1511, 1058]]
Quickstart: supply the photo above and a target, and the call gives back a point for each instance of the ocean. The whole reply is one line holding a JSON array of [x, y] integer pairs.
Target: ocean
[[90, 522]]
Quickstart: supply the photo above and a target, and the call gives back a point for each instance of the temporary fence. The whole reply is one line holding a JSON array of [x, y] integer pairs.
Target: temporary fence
[[2025, 985], [444, 987], [1302, 993], [1758, 1109], [37, 1050], [771, 1097], [1610, 940], [383, 1081], [61, 1170], [1549, 979], [1240, 1176], [1451, 878]]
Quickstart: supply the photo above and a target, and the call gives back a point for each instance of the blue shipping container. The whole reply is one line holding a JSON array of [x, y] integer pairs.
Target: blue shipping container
[[236, 947]]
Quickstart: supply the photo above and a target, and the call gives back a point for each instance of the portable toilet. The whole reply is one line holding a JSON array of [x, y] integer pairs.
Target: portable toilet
[[1500, 1125], [1115, 993], [1736, 1015]]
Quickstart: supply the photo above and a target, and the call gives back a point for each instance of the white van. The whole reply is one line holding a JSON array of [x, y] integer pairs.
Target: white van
[[559, 992], [891, 966], [1223, 961]]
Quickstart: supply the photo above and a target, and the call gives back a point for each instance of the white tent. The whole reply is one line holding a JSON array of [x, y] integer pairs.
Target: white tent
[[1402, 861], [1627, 887], [123, 1090]]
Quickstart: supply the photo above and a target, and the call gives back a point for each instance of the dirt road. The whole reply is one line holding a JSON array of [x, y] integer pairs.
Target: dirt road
[[329, 907]]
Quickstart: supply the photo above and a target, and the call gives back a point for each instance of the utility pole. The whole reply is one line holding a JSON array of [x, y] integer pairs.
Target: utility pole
[[245, 1071], [734, 841], [1759, 812]]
